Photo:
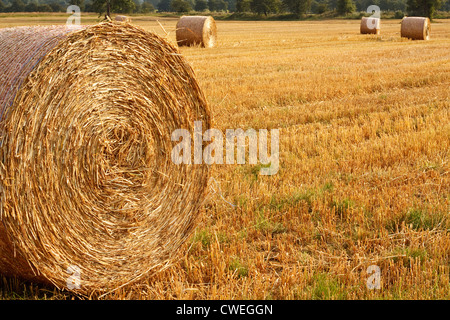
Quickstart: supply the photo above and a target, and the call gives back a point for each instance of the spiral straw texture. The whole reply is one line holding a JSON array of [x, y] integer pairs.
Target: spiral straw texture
[[87, 178]]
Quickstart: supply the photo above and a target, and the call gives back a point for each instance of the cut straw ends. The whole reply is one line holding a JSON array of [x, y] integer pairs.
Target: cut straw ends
[[416, 28]]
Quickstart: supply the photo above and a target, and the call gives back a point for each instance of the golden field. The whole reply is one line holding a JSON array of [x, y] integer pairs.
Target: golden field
[[364, 174]]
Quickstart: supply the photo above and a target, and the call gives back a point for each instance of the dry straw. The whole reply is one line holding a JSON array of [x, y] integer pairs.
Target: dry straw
[[87, 179], [196, 30], [416, 28], [370, 25], [123, 18]]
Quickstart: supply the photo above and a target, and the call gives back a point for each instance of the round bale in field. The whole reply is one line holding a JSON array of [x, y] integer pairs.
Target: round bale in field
[[196, 30], [416, 28], [123, 18], [370, 25], [91, 198]]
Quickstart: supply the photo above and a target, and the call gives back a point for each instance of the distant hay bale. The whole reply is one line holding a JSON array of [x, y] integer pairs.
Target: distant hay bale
[[123, 18], [416, 28], [370, 25], [86, 178], [196, 30]]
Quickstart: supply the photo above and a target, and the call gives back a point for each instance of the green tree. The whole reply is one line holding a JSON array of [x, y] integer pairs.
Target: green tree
[[56, 7], [16, 6], [231, 5], [243, 5], [147, 7], [213, 5], [79, 3], [180, 6], [319, 7], [222, 5], [31, 7], [118, 6], [201, 5], [164, 6], [2, 6], [297, 7], [423, 8], [44, 8], [345, 7], [362, 5], [264, 6], [446, 5], [217, 5]]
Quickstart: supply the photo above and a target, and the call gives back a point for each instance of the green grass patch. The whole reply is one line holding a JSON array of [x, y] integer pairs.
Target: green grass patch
[[341, 207], [204, 237], [326, 287], [278, 203], [238, 267], [251, 172], [406, 256], [419, 219], [282, 202], [267, 225]]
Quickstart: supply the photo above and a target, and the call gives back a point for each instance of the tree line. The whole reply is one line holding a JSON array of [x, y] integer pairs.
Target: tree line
[[119, 6], [300, 7], [297, 8]]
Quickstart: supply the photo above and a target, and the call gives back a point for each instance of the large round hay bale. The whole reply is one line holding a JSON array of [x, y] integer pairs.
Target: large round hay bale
[[87, 180], [196, 30], [416, 28], [370, 25], [123, 18]]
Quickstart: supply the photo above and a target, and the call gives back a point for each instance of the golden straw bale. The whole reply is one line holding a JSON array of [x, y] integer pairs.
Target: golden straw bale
[[370, 25], [123, 18], [196, 30], [416, 28], [87, 178]]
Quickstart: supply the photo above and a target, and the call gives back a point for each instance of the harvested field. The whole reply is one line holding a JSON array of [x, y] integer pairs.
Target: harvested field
[[364, 173]]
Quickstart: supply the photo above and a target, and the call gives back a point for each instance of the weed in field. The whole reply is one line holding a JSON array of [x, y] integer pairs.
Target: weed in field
[[204, 237], [238, 268], [419, 220], [341, 207], [266, 225], [325, 287]]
